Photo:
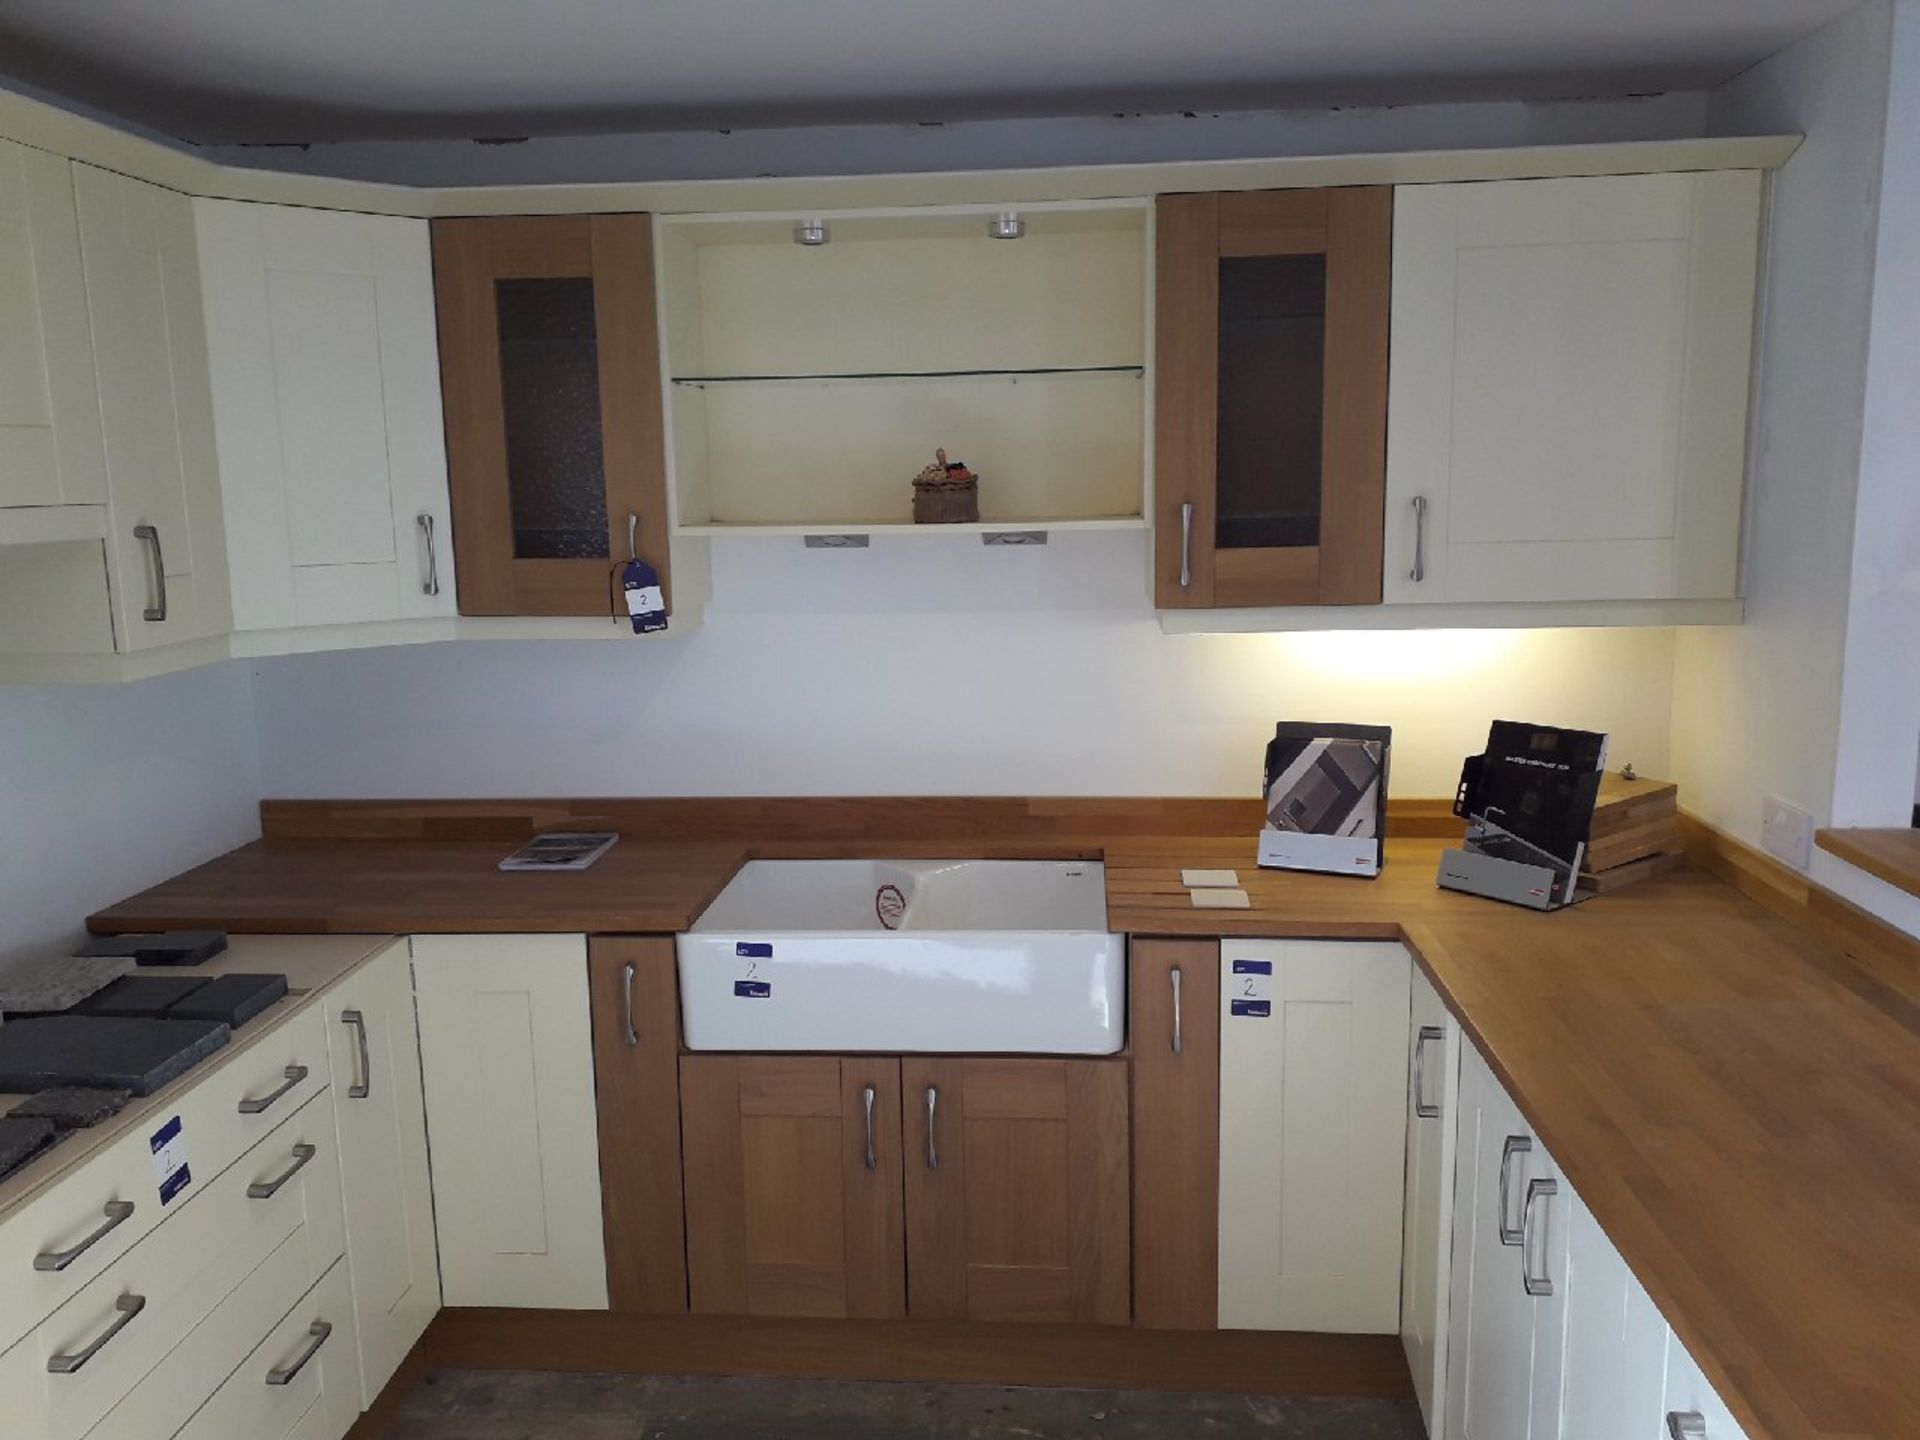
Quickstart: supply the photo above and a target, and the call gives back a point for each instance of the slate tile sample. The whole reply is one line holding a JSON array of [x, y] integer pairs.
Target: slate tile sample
[[103, 1051]]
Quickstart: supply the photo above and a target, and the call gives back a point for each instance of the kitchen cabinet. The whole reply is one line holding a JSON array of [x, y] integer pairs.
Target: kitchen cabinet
[[1313, 1133], [550, 372], [325, 377], [506, 1062], [1270, 396], [1507, 1316], [167, 564], [379, 1114], [1616, 1341], [793, 1183], [1174, 1019], [1569, 387], [636, 1063], [1017, 1189], [51, 452], [1694, 1410], [1432, 1111]]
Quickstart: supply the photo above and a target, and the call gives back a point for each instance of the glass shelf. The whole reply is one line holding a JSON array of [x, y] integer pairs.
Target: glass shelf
[[1009, 374]]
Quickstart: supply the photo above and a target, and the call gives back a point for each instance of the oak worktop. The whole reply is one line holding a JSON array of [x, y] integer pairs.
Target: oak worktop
[[1737, 1103]]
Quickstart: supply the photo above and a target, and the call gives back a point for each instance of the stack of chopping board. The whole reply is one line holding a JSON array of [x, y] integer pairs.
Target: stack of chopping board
[[1636, 832]]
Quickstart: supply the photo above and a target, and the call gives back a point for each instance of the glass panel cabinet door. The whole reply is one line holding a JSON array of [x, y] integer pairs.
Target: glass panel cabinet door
[[1270, 397], [550, 366]]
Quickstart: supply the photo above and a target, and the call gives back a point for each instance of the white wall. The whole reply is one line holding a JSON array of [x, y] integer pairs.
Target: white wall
[[927, 665], [1756, 708], [109, 789]]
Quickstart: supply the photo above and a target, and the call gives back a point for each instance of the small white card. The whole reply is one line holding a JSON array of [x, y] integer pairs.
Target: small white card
[[1209, 879], [1220, 899]]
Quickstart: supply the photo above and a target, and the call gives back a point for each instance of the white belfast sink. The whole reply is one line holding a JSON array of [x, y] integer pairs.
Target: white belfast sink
[[944, 956]]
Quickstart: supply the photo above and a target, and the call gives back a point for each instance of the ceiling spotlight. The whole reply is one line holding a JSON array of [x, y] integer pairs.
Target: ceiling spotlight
[[811, 232], [1006, 226]]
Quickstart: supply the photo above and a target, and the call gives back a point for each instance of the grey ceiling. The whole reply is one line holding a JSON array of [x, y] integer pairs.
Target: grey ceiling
[[290, 70]]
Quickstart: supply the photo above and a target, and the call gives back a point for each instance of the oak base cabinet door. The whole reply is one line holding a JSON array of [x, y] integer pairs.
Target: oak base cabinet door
[[1313, 1067], [1017, 1190], [793, 1186], [636, 1061], [506, 1056], [380, 1117], [1174, 1020], [1433, 1103]]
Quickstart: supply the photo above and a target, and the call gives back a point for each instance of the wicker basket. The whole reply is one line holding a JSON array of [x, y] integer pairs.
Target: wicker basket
[[946, 494]]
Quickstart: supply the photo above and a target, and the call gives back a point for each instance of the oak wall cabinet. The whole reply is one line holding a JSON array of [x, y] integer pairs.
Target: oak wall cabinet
[[1313, 1056], [809, 383], [1270, 391], [506, 1060], [1571, 361], [793, 1176], [549, 358], [326, 405]]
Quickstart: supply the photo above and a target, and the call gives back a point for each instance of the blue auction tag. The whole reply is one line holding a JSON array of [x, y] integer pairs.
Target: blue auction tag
[[754, 949], [646, 602], [1253, 1009], [753, 989], [1253, 967]]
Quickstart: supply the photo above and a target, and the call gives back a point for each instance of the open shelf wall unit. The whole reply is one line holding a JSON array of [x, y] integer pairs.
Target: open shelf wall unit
[[807, 384]]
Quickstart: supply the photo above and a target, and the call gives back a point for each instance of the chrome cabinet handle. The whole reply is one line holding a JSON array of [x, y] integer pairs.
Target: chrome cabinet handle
[[431, 585], [1515, 1145], [128, 1306], [933, 1151], [1686, 1425], [1419, 571], [1186, 544], [1541, 1284], [1173, 977], [317, 1333], [267, 1189], [151, 534], [626, 990], [117, 1213], [1421, 1108], [362, 1087], [294, 1073], [873, 1160]]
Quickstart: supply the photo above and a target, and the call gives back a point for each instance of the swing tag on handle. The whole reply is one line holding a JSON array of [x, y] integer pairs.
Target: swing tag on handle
[[646, 605]]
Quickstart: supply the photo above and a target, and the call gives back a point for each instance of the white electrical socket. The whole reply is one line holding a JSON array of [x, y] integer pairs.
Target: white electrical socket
[[1787, 831]]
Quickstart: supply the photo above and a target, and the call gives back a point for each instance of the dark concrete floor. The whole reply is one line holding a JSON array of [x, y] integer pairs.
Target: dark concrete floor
[[539, 1405]]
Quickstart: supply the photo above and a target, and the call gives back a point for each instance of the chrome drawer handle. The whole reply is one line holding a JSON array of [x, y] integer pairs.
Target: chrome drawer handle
[[1419, 571], [157, 610], [1686, 1425], [1541, 1284], [1421, 1108], [294, 1073], [1186, 544], [933, 1152], [626, 987], [117, 1213], [317, 1333], [128, 1306], [873, 1161], [267, 1189], [1515, 1145], [431, 585], [362, 1087], [1173, 976]]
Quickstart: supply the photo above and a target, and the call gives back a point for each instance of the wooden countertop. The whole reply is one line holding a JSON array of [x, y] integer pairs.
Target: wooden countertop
[[1892, 855], [1737, 1103]]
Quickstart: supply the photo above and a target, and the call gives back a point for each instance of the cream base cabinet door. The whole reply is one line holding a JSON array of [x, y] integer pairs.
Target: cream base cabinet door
[[50, 448], [506, 1055], [1690, 1398], [1569, 376], [1313, 1129], [1616, 1340], [166, 551], [1433, 1107], [380, 1117], [326, 400]]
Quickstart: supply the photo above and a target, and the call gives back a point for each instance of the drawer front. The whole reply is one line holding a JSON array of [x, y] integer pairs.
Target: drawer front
[[92, 1217], [318, 1400], [127, 1320]]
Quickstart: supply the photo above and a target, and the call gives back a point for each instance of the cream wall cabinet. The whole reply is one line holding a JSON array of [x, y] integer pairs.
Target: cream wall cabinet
[[325, 375], [506, 1055], [380, 1116], [1432, 1109], [1569, 377], [166, 551], [1313, 1053]]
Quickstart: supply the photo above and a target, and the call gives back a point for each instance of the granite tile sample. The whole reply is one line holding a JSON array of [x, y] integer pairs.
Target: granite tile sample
[[102, 1051], [230, 999], [57, 982], [141, 995], [166, 947], [21, 1140], [71, 1108]]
